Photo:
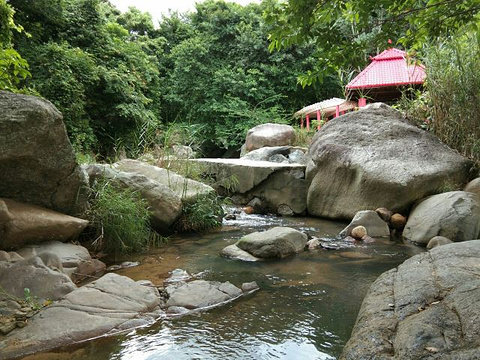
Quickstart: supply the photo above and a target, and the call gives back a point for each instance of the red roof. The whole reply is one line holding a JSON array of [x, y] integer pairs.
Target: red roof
[[389, 68]]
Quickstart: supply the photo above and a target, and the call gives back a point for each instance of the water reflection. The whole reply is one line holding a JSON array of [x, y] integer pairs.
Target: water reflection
[[305, 309]]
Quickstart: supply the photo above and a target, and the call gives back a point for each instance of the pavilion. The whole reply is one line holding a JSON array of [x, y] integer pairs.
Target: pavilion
[[324, 110], [385, 77]]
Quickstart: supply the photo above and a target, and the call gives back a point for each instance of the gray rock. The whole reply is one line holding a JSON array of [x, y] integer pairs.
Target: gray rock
[[30, 224], [200, 294], [374, 158], [454, 215], [106, 306], [4, 256], [285, 210], [278, 158], [257, 205], [265, 153], [178, 275], [275, 184], [37, 162], [438, 241], [278, 242], [375, 226], [250, 286], [286, 154], [427, 308], [177, 310], [75, 261], [473, 186], [297, 157], [235, 253], [43, 282], [313, 244], [186, 189], [166, 206], [269, 135]]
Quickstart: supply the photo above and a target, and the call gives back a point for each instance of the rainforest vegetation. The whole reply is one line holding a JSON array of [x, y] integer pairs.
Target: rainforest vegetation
[[121, 80]]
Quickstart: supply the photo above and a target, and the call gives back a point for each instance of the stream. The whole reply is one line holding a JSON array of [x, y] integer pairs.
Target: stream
[[305, 309]]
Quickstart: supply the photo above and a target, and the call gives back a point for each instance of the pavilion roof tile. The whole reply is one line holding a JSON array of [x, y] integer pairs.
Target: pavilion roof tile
[[390, 68]]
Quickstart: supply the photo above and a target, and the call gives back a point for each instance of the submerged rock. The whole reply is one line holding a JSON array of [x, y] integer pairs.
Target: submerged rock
[[426, 308], [372, 158], [200, 294], [23, 224], [37, 162], [235, 253], [454, 215], [108, 305]]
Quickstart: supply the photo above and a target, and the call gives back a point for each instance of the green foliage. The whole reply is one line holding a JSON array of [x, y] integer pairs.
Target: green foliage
[[223, 75], [13, 68], [450, 106], [65, 75], [202, 213], [303, 138], [119, 81], [453, 84], [347, 31], [121, 218], [31, 300]]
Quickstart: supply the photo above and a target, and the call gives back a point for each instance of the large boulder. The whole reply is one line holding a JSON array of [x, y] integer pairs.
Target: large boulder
[[473, 186], [372, 158], [44, 282], [375, 226], [166, 205], [276, 185], [22, 224], [427, 308], [75, 260], [186, 189], [454, 215], [269, 135], [278, 242], [106, 306], [37, 163]]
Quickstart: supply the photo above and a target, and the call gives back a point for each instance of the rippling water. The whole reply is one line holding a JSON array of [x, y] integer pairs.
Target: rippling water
[[305, 309]]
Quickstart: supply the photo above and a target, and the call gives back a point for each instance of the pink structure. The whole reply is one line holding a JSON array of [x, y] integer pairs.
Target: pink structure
[[323, 110], [385, 76]]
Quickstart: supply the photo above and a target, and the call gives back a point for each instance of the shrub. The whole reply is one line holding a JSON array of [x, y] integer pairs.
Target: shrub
[[121, 219], [303, 138], [453, 84], [203, 213]]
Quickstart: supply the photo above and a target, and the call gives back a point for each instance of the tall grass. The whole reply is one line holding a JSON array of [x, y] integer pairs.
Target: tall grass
[[202, 213], [121, 219], [453, 85]]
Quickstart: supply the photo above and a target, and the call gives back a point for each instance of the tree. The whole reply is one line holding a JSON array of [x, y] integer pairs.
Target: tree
[[345, 31], [13, 68]]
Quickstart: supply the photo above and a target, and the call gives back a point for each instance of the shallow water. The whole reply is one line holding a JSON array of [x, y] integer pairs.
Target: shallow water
[[305, 309]]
